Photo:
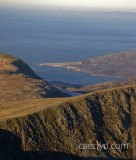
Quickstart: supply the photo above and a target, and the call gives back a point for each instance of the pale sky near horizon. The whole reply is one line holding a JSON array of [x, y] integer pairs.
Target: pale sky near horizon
[[100, 4]]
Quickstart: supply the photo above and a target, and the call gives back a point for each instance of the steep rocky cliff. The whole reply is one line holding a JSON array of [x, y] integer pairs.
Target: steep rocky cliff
[[69, 129]]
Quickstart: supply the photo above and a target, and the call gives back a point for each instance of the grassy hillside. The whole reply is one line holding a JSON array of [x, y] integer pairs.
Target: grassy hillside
[[11, 65], [105, 85], [20, 108], [18, 81], [55, 130]]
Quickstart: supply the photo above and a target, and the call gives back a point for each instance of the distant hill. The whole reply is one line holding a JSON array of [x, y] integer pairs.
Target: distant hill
[[64, 85], [18, 81], [102, 86], [121, 65], [56, 128]]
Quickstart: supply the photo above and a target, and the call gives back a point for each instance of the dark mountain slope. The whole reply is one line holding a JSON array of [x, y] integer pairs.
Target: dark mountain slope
[[18, 81], [96, 118]]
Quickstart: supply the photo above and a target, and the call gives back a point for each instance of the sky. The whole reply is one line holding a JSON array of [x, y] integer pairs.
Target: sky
[[97, 4]]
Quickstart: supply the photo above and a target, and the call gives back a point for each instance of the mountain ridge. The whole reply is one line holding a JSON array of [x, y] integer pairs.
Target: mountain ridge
[[103, 116]]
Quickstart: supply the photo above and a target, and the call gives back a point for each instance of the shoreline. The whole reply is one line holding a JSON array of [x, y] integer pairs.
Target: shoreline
[[65, 65]]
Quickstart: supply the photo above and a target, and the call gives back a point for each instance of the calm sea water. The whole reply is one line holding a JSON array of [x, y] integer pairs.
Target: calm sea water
[[60, 74], [45, 36]]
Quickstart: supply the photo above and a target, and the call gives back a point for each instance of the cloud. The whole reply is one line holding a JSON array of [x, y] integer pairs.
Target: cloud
[[75, 3]]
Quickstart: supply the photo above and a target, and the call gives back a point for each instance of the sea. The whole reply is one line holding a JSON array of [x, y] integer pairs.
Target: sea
[[41, 35]]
